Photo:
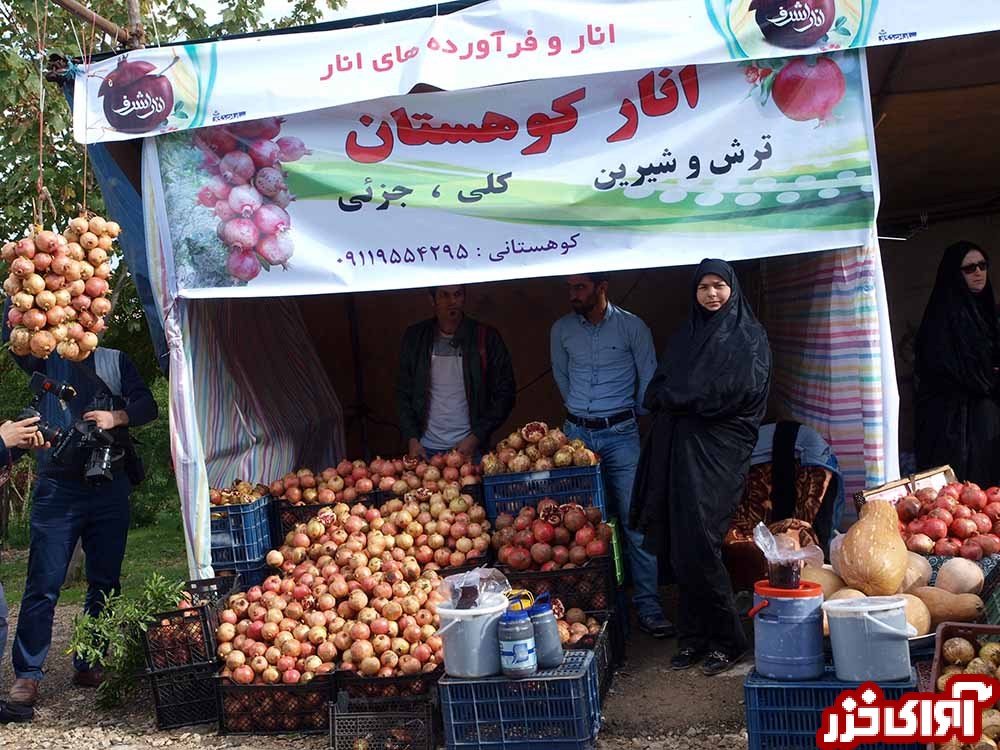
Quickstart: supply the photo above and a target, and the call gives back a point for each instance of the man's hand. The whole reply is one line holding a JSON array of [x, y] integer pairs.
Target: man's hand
[[107, 420], [416, 449], [468, 446], [23, 434]]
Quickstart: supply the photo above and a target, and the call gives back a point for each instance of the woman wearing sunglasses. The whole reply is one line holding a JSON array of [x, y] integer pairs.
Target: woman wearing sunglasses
[[956, 369]]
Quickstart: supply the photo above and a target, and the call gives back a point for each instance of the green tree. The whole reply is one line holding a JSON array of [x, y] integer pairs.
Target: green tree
[[38, 120]]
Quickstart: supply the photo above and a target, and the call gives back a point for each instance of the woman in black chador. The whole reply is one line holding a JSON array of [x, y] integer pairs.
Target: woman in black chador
[[957, 414], [708, 398]]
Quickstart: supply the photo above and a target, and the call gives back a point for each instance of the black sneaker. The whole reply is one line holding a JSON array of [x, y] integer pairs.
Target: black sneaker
[[717, 662], [15, 712], [657, 626], [686, 658]]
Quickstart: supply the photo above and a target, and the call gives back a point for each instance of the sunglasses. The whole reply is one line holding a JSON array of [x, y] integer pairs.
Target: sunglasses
[[973, 267]]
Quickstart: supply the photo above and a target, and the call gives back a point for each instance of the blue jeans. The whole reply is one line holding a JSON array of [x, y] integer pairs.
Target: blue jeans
[[619, 449], [61, 513]]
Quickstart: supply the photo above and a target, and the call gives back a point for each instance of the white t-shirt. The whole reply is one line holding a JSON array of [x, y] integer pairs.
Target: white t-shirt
[[448, 415]]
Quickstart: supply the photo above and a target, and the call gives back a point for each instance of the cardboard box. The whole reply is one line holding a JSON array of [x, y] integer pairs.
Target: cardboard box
[[935, 479]]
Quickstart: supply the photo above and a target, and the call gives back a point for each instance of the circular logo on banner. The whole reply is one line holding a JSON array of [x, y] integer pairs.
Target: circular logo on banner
[[767, 28], [138, 98]]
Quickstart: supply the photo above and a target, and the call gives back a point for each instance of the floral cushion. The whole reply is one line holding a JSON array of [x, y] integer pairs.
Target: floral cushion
[[744, 560]]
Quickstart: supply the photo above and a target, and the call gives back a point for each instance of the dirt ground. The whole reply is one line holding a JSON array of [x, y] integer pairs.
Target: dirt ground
[[649, 706]]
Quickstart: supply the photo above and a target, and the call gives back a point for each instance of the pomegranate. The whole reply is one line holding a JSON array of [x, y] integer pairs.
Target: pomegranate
[[921, 544], [243, 265], [963, 528], [908, 508], [947, 547], [973, 497], [971, 550], [809, 89]]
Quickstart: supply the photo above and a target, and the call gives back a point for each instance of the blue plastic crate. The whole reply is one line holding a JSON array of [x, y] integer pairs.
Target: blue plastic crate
[[787, 715], [508, 493], [241, 533], [556, 708]]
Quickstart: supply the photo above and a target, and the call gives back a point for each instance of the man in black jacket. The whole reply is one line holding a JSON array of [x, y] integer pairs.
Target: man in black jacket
[[456, 382]]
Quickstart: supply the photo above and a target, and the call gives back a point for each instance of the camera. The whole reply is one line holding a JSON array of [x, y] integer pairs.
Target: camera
[[84, 444], [39, 385]]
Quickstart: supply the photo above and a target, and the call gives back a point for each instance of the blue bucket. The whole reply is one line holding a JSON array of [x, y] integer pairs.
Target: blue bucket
[[788, 631]]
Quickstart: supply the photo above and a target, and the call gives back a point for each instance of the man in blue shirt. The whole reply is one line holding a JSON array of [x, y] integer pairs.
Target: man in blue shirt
[[603, 357], [66, 506]]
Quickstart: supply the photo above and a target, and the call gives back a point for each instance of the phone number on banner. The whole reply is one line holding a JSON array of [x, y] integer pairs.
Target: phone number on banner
[[446, 253]]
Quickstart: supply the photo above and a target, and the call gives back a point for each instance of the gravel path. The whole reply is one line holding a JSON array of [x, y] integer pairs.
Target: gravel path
[[649, 708]]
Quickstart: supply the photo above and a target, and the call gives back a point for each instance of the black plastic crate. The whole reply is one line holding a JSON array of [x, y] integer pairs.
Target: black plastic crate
[[602, 646], [508, 493], [250, 573], [274, 709], [180, 638], [589, 587], [357, 689], [240, 533], [387, 724], [184, 696], [183, 637]]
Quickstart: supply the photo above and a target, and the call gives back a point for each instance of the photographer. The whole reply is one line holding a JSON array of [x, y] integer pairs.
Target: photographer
[[82, 493], [15, 438]]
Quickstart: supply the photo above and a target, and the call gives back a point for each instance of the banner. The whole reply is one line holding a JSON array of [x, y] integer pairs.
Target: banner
[[640, 169], [155, 91]]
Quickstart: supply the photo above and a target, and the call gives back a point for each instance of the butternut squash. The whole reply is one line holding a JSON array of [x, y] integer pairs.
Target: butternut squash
[[917, 614], [873, 556], [829, 580], [918, 573], [947, 607]]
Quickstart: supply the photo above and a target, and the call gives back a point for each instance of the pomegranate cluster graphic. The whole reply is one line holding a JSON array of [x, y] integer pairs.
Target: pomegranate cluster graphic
[[245, 189]]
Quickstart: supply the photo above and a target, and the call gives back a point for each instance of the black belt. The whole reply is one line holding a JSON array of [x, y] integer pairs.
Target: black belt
[[602, 422]]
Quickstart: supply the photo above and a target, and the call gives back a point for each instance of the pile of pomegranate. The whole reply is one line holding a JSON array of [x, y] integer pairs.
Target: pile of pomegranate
[[240, 493], [246, 190], [58, 286], [349, 597], [960, 519], [550, 536], [349, 480], [448, 530], [537, 448]]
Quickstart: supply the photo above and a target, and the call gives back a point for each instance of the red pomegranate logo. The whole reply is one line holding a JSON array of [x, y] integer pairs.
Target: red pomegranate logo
[[135, 100], [794, 24]]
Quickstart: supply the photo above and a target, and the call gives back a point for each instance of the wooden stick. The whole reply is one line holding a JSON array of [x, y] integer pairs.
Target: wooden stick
[[91, 17]]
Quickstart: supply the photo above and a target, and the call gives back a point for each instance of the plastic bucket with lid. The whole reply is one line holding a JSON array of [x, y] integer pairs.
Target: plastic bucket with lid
[[870, 638], [469, 638], [788, 631]]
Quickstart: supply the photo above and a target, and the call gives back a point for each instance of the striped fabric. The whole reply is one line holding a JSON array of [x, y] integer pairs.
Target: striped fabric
[[249, 398], [832, 368]]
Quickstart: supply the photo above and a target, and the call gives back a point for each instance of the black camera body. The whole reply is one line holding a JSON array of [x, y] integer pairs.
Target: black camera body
[[39, 385], [84, 444]]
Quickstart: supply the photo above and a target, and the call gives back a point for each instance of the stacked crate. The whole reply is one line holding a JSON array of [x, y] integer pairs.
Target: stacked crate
[[180, 655]]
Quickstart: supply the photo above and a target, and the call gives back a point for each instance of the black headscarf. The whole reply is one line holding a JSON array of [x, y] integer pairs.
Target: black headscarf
[[957, 344], [715, 355]]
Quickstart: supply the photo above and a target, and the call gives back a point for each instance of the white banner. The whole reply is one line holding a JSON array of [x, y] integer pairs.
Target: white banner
[[155, 91], [639, 169]]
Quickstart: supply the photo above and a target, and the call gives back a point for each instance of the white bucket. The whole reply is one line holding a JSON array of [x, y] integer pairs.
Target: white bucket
[[469, 638], [870, 638]]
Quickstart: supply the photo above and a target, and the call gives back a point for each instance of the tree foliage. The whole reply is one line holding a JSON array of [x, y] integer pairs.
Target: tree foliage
[[37, 118]]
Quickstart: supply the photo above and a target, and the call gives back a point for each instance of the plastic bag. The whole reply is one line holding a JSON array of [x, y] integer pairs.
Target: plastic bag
[[464, 590], [784, 557]]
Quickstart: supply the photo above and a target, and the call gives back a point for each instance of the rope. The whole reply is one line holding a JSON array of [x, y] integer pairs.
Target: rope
[[41, 34], [86, 96]]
